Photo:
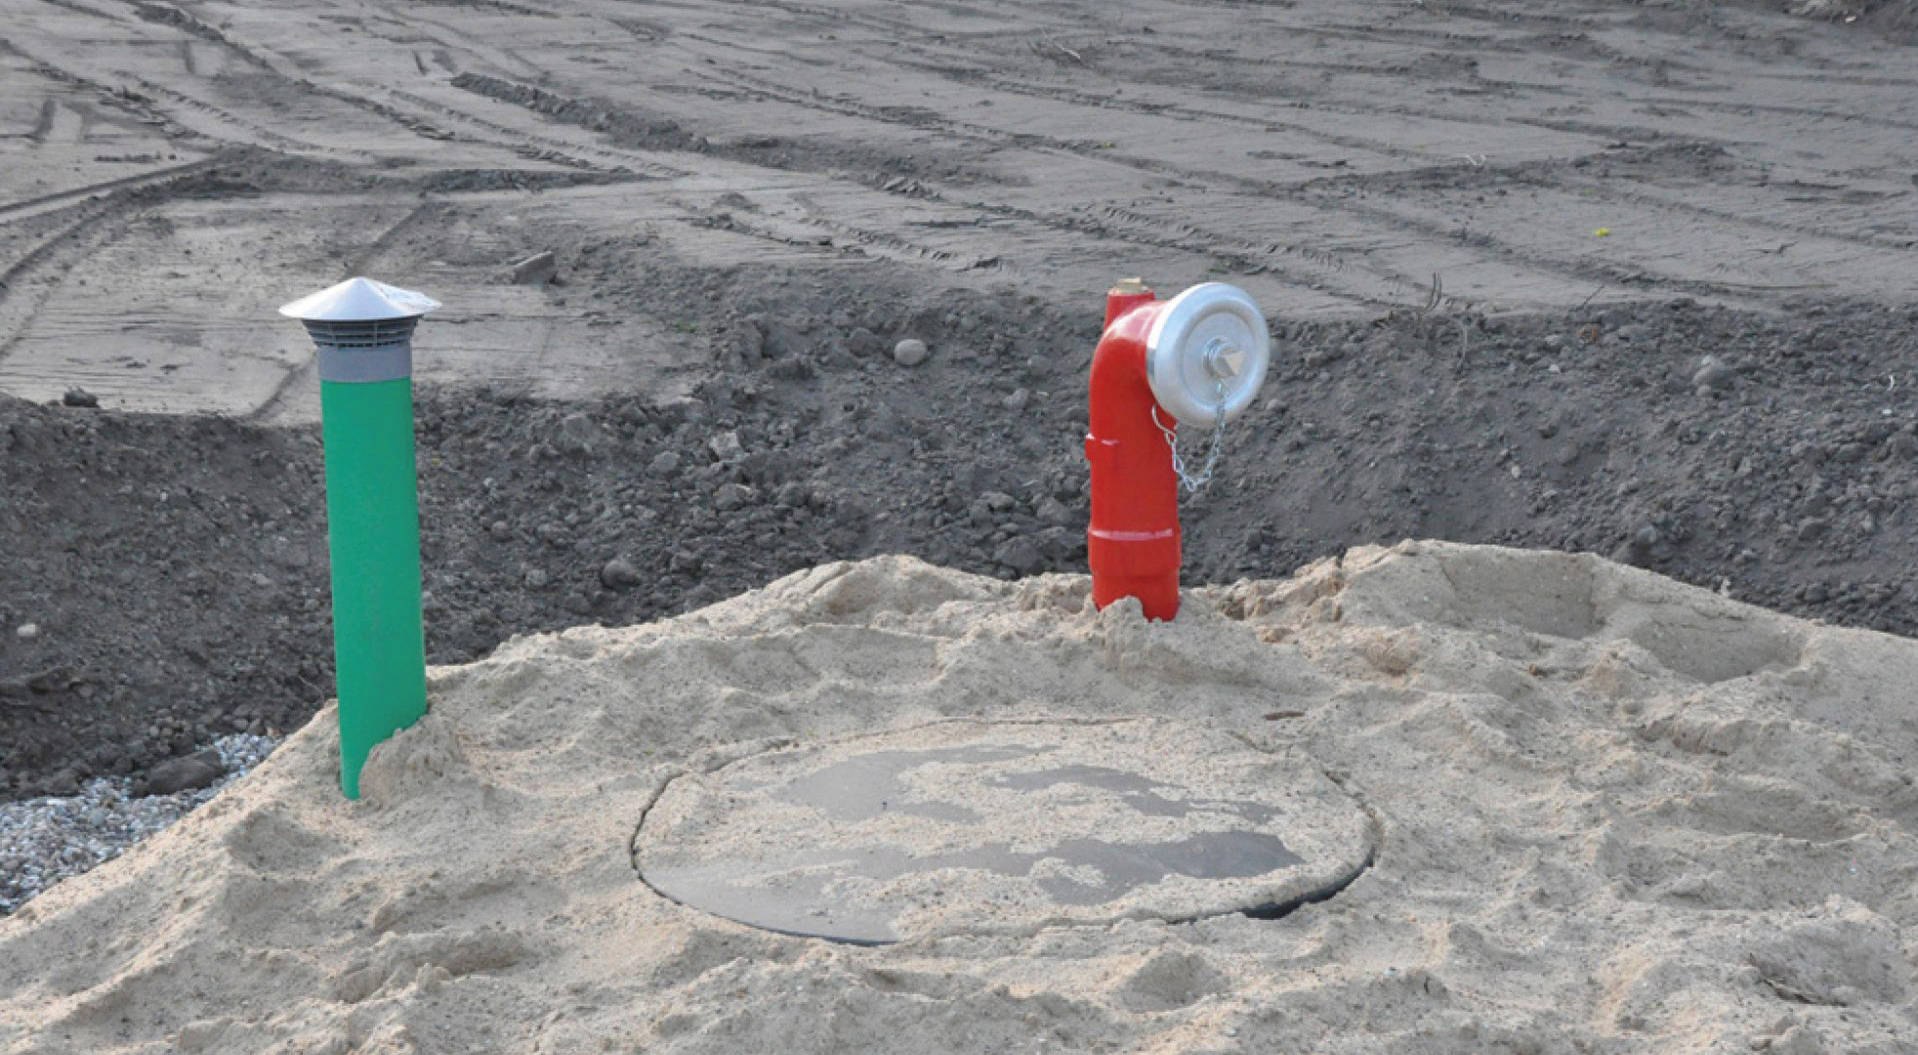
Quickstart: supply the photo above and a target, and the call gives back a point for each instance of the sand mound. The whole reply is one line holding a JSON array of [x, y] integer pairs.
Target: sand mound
[[1614, 813]]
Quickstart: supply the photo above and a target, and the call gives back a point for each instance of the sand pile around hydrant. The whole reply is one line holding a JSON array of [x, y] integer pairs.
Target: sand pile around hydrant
[[1613, 813]]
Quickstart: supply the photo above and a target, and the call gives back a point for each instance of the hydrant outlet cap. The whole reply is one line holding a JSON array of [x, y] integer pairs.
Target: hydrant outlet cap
[[1206, 354]]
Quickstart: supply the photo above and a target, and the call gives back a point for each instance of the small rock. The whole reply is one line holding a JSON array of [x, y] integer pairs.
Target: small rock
[[63, 784], [726, 446], [535, 270], [1020, 554], [619, 574], [733, 496], [500, 530], [1017, 400], [997, 501], [80, 397], [1637, 550], [578, 433], [27, 631], [1799, 1040], [1053, 511], [1812, 528], [58, 679], [910, 352], [193, 771], [1713, 373], [791, 368], [863, 342], [664, 463], [792, 495], [536, 577]]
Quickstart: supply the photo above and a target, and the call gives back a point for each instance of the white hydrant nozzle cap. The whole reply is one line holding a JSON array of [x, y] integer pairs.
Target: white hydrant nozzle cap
[[1207, 353]]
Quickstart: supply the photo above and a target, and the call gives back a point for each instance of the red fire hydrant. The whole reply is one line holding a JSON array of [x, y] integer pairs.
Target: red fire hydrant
[[1196, 359]]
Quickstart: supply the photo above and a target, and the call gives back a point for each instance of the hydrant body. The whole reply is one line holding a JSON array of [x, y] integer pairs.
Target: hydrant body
[[1198, 358], [1133, 540]]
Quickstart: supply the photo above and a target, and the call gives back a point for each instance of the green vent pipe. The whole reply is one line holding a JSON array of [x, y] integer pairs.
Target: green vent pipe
[[364, 332]]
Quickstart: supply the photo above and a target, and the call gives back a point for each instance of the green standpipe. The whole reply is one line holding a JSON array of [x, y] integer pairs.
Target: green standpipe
[[373, 534], [364, 333]]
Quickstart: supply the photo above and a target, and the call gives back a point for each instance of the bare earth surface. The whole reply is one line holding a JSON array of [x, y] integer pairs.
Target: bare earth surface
[[750, 203], [1613, 814], [174, 171], [1615, 280]]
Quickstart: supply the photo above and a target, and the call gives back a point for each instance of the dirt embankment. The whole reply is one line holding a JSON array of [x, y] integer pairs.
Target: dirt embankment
[[166, 580]]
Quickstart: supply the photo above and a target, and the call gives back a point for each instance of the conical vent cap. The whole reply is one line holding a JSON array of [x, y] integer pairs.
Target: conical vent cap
[[359, 300]]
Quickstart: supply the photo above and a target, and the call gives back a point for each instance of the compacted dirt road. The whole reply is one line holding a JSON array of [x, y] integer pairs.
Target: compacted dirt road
[[1498, 244], [173, 171]]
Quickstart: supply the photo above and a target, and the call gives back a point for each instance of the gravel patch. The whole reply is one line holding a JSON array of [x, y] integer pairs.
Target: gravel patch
[[45, 840]]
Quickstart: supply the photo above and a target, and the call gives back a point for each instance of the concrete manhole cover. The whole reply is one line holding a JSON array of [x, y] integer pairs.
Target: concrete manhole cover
[[976, 827]]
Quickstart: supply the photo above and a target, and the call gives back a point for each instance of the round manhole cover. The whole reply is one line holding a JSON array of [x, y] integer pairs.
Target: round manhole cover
[[972, 827]]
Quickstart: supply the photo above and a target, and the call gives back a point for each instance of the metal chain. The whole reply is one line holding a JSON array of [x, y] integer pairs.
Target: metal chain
[[1193, 483]]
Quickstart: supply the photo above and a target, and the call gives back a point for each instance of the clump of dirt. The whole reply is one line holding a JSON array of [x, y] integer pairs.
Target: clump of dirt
[[1895, 19], [165, 579]]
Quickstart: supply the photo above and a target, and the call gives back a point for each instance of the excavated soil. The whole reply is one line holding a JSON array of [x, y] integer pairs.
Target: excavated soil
[[174, 567]]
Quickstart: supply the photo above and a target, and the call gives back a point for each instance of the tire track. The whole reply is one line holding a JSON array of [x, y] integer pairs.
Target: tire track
[[542, 148], [896, 27], [1255, 258], [190, 25], [1120, 224], [1650, 200], [1495, 248], [64, 250], [1560, 177], [926, 121], [79, 8], [43, 124], [1299, 265], [915, 118], [248, 133], [1752, 109], [14, 212], [137, 106], [1601, 274], [1247, 255]]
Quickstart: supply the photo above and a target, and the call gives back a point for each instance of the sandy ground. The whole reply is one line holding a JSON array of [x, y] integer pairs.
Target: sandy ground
[[171, 172], [1613, 814]]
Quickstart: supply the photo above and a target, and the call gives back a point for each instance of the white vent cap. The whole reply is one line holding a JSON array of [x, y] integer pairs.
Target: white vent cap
[[359, 300]]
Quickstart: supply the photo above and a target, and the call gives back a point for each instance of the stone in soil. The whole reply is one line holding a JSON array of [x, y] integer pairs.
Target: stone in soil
[[910, 352], [192, 771], [536, 270], [619, 574]]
